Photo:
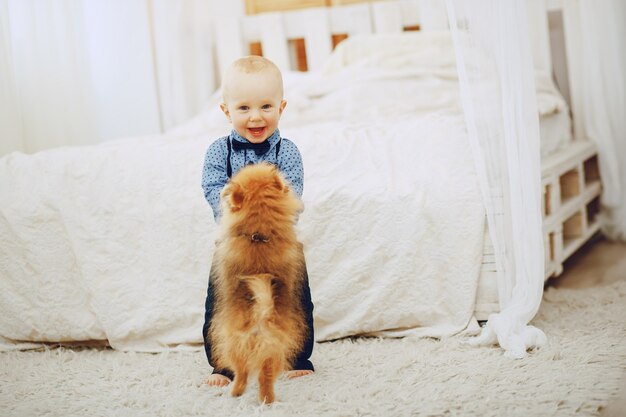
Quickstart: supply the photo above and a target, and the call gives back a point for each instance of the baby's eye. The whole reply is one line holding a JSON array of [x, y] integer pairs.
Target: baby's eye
[[266, 106], [243, 108]]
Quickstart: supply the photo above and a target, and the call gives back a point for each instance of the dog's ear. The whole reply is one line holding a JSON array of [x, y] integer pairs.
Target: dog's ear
[[279, 182], [233, 195]]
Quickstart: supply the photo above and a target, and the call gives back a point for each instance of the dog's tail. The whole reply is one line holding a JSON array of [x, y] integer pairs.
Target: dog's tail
[[261, 287]]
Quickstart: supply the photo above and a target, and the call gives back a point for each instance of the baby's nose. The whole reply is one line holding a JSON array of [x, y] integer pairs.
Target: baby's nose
[[255, 114]]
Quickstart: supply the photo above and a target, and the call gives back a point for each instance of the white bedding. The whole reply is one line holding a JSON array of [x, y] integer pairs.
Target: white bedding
[[114, 242], [555, 125]]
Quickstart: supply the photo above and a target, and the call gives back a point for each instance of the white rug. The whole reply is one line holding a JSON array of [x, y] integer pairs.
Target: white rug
[[579, 372]]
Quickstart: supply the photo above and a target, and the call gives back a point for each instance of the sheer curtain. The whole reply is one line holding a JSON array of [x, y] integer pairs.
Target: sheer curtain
[[43, 63], [10, 125], [183, 57], [84, 71], [601, 58], [495, 66]]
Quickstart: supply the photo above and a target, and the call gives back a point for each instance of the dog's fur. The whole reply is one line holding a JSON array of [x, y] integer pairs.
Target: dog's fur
[[258, 323]]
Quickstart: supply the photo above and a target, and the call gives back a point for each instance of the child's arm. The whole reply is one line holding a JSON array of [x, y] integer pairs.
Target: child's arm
[[290, 164], [214, 176]]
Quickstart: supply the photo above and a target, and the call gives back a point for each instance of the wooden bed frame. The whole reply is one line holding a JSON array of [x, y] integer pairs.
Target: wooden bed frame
[[303, 39]]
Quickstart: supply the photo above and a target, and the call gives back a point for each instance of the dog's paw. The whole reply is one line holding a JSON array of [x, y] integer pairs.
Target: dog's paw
[[267, 398], [238, 389]]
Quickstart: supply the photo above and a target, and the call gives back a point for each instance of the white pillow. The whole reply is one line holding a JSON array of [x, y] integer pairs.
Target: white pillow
[[425, 49]]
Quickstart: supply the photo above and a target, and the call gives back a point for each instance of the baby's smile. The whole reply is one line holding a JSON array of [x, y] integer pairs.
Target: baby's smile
[[257, 132]]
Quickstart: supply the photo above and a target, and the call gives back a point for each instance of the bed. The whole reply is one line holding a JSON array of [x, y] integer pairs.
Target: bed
[[113, 242]]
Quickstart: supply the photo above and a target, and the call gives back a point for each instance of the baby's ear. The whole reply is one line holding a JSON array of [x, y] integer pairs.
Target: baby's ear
[[225, 110], [232, 194], [279, 182]]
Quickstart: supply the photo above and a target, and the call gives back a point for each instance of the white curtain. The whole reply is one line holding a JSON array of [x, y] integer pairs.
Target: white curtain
[[11, 136], [84, 71], [601, 58], [184, 60], [43, 72], [495, 66]]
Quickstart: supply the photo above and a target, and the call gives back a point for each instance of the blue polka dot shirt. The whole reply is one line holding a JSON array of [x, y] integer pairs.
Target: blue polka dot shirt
[[214, 176]]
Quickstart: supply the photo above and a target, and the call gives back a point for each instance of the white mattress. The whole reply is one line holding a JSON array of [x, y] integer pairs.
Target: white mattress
[[556, 132], [114, 241]]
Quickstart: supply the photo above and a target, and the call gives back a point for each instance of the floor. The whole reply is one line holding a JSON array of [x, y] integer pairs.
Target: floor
[[599, 262]]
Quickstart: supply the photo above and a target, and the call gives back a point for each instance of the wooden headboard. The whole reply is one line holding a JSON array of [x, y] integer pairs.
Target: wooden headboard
[[283, 36], [302, 39]]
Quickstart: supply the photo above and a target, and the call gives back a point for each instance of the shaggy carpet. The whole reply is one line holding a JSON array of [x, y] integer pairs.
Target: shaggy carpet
[[578, 372]]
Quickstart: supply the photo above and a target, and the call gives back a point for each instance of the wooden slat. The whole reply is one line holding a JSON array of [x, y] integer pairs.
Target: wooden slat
[[410, 12], [317, 37], [387, 17], [274, 41], [351, 20], [561, 161], [433, 15]]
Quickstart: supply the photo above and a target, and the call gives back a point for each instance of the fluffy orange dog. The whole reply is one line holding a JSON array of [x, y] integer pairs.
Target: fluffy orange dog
[[259, 325]]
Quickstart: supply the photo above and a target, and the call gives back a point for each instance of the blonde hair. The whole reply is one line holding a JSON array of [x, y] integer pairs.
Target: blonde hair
[[251, 64]]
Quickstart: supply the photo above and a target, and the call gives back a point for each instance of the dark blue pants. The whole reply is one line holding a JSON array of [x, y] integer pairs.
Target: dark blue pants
[[302, 360]]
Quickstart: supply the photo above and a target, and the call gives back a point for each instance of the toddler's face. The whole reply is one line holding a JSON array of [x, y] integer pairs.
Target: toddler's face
[[254, 104]]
